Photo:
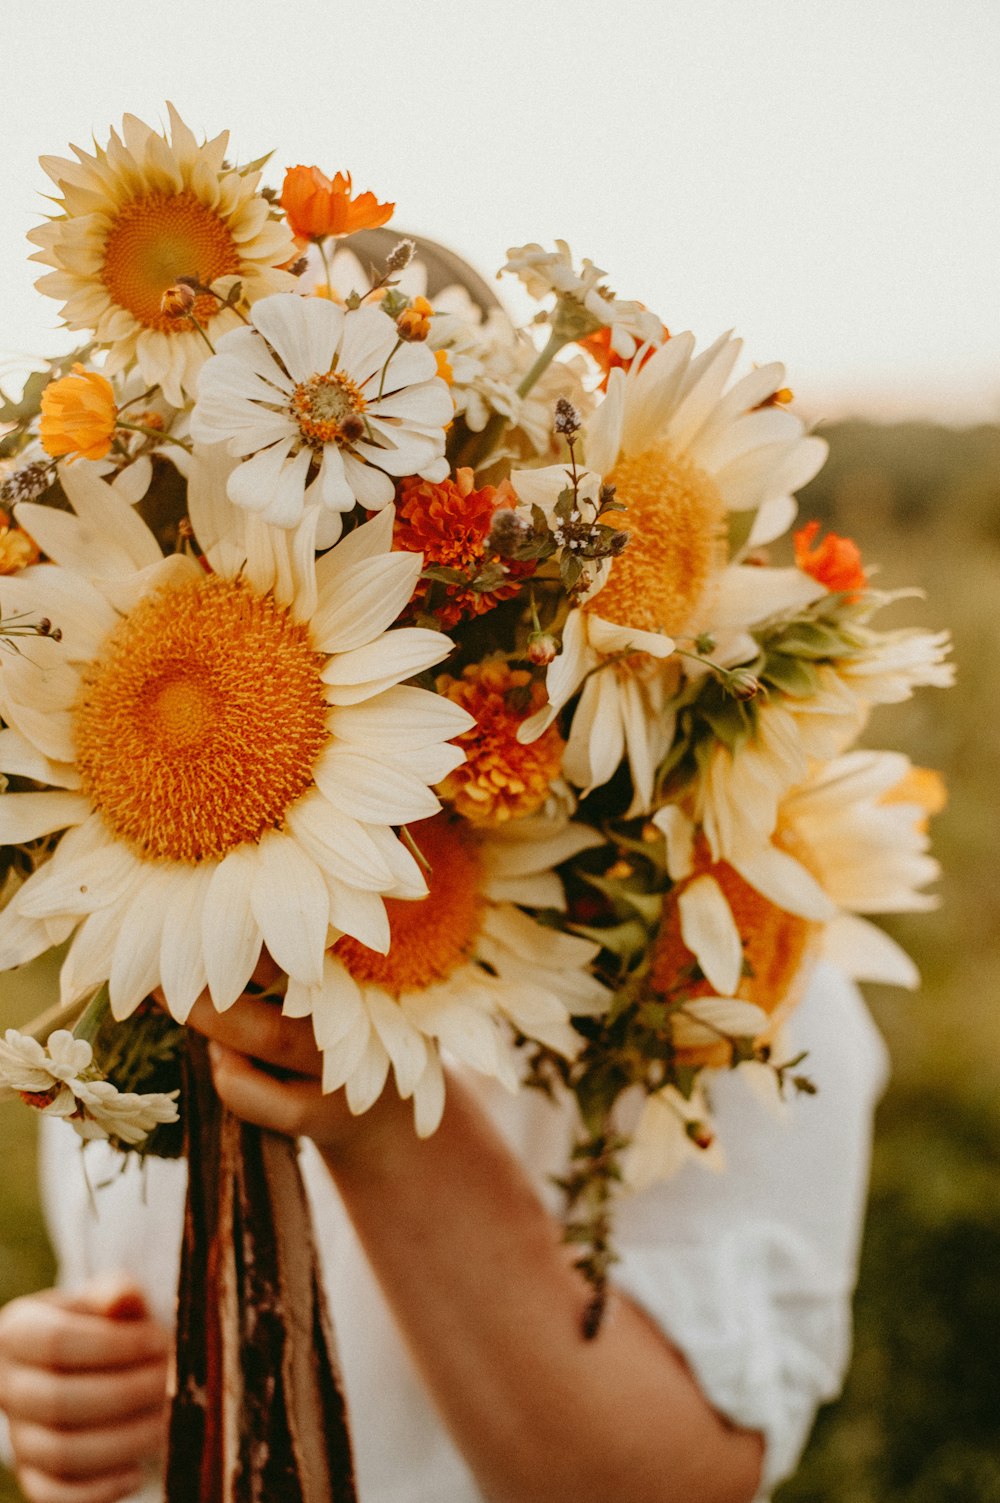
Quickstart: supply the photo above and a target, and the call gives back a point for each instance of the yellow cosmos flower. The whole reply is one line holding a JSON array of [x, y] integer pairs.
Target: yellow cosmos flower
[[136, 216], [79, 413]]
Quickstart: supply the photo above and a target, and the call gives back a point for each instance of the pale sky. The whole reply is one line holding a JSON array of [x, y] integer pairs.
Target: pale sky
[[824, 177]]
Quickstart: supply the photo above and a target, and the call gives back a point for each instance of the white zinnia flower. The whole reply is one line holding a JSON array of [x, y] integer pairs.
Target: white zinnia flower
[[59, 1079], [325, 406], [464, 967], [681, 451], [228, 751]]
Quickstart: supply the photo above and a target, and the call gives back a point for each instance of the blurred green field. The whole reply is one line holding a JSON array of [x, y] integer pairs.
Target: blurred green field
[[920, 1418]]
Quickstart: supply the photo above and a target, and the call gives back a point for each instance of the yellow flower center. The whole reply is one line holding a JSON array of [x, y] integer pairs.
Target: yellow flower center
[[433, 935], [200, 722], [675, 520], [158, 238], [325, 408]]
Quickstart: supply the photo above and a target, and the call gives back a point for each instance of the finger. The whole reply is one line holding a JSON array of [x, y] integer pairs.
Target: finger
[[40, 1488], [40, 1332], [73, 1400], [115, 1295], [83, 1455], [285, 1106], [259, 1029]]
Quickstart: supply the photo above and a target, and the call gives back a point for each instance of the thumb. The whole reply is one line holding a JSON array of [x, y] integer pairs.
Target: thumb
[[116, 1296]]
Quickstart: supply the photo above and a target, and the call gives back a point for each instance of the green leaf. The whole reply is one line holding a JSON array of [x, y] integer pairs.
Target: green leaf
[[791, 675], [624, 940], [565, 504], [444, 574], [811, 639]]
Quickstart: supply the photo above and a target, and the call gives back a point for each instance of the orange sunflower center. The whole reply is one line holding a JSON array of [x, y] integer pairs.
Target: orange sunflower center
[[432, 936], [675, 520], [328, 409], [158, 238], [777, 947], [200, 722]]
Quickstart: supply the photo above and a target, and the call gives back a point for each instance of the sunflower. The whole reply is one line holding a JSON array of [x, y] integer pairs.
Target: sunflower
[[137, 215], [682, 452], [457, 971], [325, 406], [227, 750]]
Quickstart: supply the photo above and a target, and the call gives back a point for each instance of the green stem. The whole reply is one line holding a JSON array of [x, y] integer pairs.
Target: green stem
[[94, 1014], [162, 438], [326, 264], [542, 363], [192, 320]]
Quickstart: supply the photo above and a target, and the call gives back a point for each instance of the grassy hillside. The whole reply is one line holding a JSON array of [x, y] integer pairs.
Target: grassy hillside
[[920, 1418]]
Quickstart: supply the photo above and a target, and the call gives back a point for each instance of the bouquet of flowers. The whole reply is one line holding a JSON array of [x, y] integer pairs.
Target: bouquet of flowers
[[444, 666]]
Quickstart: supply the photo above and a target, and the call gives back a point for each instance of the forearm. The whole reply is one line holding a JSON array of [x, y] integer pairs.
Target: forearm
[[485, 1294]]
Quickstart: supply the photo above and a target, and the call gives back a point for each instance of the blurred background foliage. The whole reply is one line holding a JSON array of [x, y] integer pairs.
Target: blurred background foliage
[[919, 1421]]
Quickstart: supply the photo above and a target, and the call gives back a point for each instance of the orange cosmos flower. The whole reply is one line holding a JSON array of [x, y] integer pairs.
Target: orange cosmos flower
[[78, 415], [449, 523], [500, 779], [598, 345], [835, 562], [316, 207]]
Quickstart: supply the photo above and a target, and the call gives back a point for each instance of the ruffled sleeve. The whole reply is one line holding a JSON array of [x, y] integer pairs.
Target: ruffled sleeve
[[750, 1272]]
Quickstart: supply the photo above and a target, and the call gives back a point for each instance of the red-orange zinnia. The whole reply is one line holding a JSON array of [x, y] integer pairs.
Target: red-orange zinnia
[[835, 562], [316, 207]]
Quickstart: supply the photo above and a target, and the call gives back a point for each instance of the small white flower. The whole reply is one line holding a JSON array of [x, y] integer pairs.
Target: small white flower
[[62, 1076], [544, 272], [325, 405]]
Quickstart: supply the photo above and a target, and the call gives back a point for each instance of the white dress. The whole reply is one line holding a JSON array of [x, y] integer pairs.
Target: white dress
[[749, 1272]]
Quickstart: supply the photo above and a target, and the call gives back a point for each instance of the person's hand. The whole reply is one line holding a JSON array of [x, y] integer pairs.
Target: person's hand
[[250, 1042], [83, 1381]]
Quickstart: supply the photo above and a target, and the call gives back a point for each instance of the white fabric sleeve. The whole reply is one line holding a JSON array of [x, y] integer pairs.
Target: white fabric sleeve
[[750, 1272]]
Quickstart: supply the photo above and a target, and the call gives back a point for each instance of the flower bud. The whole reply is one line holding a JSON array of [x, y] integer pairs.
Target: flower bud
[[742, 684], [414, 323], [352, 427], [700, 1133], [178, 301], [542, 648], [567, 420], [401, 255]]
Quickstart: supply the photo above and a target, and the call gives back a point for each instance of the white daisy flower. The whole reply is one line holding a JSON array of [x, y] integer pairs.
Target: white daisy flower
[[59, 1079], [682, 452], [137, 215], [326, 406], [544, 272], [228, 751], [464, 967]]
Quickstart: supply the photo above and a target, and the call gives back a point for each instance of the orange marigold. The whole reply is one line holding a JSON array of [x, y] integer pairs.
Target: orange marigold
[[449, 523], [598, 345], [78, 415], [17, 549], [835, 562], [500, 779], [316, 207]]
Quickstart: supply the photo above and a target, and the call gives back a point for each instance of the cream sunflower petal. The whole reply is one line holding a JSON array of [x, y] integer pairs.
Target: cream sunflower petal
[[339, 843], [20, 758], [254, 483], [374, 792], [679, 832], [710, 933], [290, 903], [396, 655], [183, 975], [135, 962], [88, 961], [338, 1010], [405, 1046], [27, 816], [783, 881], [867, 953], [21, 938], [380, 588], [105, 514], [400, 719], [360, 914], [230, 934], [428, 1097], [366, 1081]]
